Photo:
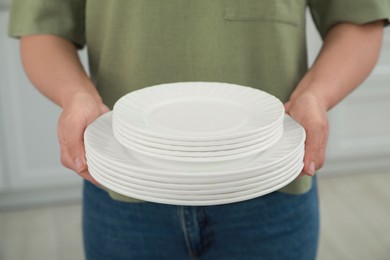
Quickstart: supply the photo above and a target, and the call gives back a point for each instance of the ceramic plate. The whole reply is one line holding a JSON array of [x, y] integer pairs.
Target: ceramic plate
[[198, 146], [201, 156], [198, 111], [233, 190], [177, 181], [100, 140], [197, 200]]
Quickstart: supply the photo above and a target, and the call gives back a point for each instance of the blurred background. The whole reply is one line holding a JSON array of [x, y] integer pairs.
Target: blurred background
[[40, 201]]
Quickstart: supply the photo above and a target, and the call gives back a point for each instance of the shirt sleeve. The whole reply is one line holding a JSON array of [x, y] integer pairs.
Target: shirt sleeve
[[327, 13], [63, 18]]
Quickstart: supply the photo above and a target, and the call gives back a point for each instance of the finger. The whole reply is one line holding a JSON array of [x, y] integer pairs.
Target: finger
[[70, 135], [287, 106], [87, 176], [104, 109], [315, 147], [300, 175]]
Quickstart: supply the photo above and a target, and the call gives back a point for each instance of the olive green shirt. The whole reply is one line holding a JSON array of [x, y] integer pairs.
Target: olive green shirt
[[137, 43]]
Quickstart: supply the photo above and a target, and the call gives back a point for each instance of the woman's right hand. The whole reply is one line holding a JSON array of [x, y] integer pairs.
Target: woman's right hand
[[54, 67], [78, 112]]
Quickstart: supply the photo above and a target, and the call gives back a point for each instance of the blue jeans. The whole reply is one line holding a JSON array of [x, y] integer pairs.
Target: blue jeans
[[276, 226]]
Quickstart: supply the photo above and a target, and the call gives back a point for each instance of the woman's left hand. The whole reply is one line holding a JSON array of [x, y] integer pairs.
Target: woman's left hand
[[311, 114]]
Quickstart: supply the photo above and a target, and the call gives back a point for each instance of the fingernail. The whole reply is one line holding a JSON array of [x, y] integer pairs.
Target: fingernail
[[79, 165], [312, 168]]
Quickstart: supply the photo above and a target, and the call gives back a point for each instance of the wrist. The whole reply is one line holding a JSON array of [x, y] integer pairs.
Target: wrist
[[85, 89], [312, 97]]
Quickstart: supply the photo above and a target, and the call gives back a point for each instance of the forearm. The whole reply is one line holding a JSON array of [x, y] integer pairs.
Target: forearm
[[53, 66], [348, 55]]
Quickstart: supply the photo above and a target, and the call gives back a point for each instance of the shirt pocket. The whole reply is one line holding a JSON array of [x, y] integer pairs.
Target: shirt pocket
[[276, 11]]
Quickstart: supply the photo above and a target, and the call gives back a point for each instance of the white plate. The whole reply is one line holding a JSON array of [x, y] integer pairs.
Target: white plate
[[170, 145], [233, 190], [198, 111], [175, 183], [117, 126], [193, 178], [186, 183], [208, 201], [204, 156], [100, 140]]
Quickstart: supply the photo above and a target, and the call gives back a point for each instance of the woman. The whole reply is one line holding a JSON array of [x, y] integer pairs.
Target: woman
[[133, 44]]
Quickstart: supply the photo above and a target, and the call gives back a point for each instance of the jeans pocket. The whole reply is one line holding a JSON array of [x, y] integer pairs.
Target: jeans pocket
[[274, 11]]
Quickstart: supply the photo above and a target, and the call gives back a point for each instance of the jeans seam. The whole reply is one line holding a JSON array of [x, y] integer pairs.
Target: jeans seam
[[184, 228]]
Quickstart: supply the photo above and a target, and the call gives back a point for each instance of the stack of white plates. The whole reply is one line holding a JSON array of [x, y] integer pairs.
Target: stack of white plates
[[195, 143]]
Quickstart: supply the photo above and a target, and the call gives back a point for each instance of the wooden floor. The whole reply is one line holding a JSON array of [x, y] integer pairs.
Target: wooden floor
[[355, 219]]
